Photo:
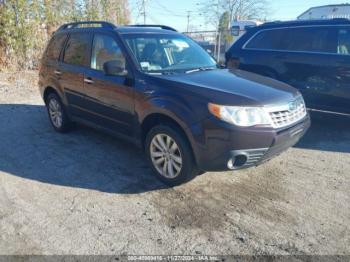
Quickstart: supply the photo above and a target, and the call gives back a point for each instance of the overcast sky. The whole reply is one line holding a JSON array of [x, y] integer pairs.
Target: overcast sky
[[174, 12]]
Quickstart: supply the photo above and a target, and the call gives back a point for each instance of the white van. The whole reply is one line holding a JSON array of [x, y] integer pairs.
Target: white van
[[238, 28]]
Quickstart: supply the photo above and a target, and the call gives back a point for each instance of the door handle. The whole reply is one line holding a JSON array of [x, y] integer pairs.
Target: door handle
[[343, 63], [148, 92], [58, 73], [88, 80]]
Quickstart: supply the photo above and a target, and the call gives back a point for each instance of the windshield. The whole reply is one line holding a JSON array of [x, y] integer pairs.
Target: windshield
[[168, 53]]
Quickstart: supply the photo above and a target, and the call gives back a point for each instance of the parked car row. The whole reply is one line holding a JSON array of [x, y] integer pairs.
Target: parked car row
[[159, 89], [312, 56]]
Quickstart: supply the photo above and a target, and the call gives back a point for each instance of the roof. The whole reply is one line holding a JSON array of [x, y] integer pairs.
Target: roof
[[323, 6], [336, 21], [106, 26]]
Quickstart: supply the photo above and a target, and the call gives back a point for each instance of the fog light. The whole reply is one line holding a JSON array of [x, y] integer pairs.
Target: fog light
[[240, 160], [237, 162]]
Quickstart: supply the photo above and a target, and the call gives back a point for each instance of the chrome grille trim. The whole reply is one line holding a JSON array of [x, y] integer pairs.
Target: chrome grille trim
[[288, 114]]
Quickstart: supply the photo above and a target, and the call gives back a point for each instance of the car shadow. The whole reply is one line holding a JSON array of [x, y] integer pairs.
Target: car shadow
[[327, 133], [83, 158]]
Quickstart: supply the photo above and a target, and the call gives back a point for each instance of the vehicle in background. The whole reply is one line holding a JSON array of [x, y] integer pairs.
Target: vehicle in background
[[239, 28], [159, 89], [313, 56], [326, 12]]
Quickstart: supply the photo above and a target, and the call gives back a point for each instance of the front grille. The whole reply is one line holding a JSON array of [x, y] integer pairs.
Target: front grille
[[291, 113]]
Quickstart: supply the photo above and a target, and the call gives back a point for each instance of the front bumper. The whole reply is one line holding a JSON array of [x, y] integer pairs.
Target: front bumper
[[238, 148]]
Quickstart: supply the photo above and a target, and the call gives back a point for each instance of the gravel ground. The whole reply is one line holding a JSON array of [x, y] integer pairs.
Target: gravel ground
[[88, 193]]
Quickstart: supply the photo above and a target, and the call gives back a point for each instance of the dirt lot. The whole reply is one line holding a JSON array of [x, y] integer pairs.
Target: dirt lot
[[88, 193]]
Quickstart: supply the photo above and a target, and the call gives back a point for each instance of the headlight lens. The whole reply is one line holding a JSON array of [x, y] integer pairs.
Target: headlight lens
[[240, 116]]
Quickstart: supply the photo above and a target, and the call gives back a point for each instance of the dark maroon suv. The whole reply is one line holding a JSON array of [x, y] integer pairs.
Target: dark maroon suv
[[162, 91]]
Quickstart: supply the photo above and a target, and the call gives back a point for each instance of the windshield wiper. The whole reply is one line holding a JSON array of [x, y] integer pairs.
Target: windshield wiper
[[161, 73], [199, 69]]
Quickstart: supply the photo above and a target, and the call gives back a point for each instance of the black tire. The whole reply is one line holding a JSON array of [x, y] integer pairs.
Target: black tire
[[188, 170], [65, 123]]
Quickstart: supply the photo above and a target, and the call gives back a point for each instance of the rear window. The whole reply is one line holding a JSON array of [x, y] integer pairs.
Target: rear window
[[344, 41], [303, 39], [55, 47], [77, 48]]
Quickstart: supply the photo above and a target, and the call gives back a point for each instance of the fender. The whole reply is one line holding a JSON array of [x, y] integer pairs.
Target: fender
[[175, 110], [54, 84]]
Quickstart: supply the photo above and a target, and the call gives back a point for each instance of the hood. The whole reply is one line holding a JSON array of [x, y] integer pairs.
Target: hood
[[235, 87]]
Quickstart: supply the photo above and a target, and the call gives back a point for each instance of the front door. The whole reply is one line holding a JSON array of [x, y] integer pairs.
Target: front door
[[109, 99]]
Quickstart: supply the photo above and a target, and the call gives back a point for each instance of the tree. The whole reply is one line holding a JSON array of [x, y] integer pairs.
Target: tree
[[26, 25], [234, 9], [246, 9], [224, 25]]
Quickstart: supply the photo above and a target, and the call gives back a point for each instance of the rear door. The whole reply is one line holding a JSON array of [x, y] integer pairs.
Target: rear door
[[51, 60], [109, 98], [71, 70], [314, 59], [342, 64], [307, 60]]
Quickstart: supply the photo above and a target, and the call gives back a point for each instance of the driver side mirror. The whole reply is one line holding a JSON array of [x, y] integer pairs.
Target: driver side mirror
[[114, 68]]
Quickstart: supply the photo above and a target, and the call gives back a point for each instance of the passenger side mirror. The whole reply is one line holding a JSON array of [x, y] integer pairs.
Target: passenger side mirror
[[114, 68]]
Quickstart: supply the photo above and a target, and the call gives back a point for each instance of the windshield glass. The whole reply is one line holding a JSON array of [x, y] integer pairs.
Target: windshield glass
[[168, 53]]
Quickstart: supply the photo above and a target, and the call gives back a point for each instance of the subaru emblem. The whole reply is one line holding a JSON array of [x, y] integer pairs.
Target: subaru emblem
[[293, 106]]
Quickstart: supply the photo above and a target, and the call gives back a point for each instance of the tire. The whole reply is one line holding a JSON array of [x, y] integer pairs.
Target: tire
[[153, 148], [54, 106]]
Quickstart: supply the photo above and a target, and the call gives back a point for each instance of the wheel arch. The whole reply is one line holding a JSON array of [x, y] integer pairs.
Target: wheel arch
[[51, 89], [157, 118]]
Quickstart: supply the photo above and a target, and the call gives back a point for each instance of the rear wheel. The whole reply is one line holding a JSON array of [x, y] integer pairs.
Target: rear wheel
[[57, 114], [170, 155]]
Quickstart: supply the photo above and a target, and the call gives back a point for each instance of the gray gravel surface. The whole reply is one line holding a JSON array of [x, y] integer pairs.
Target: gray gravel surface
[[89, 193]]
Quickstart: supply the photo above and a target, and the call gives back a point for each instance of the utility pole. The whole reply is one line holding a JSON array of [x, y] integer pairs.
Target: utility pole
[[144, 11], [188, 20]]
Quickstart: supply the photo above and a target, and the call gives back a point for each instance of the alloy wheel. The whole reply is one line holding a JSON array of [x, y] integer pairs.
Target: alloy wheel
[[55, 112], [166, 156]]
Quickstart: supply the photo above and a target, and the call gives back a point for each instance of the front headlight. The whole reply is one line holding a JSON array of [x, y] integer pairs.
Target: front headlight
[[240, 116]]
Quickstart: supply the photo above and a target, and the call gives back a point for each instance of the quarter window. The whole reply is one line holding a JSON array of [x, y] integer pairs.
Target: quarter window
[[105, 49], [344, 41], [76, 52]]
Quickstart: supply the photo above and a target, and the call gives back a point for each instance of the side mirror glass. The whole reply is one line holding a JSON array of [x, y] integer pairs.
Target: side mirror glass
[[114, 68]]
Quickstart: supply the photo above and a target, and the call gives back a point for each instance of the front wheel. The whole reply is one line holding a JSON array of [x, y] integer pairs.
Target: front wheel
[[170, 155]]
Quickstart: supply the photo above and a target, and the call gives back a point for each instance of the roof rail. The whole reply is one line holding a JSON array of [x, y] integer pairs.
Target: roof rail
[[81, 24], [341, 19], [165, 27]]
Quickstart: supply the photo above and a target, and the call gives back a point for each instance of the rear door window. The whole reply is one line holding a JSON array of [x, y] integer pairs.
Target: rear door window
[[78, 49], [55, 47], [343, 46], [310, 39]]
